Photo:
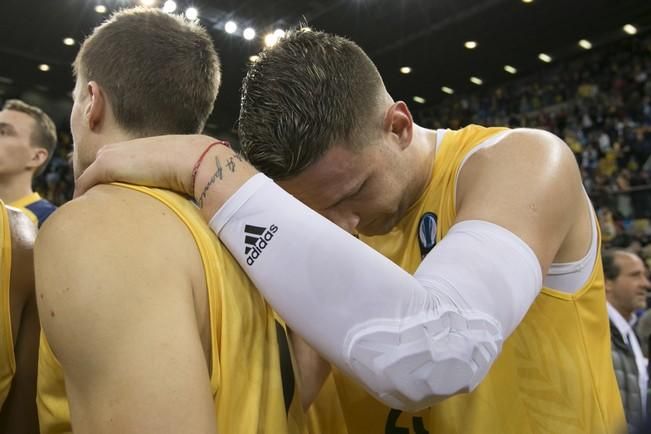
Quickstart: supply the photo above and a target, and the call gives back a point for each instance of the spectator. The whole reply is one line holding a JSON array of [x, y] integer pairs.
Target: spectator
[[626, 291]]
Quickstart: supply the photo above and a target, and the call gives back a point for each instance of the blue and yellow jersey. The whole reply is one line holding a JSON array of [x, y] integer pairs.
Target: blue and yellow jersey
[[35, 207], [554, 374], [252, 372], [7, 358]]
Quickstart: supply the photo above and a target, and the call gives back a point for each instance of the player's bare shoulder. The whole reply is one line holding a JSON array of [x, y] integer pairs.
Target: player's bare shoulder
[[526, 147], [523, 156]]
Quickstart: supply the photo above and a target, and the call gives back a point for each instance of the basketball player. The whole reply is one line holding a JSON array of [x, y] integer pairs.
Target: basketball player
[[473, 301], [29, 138], [19, 327], [150, 321]]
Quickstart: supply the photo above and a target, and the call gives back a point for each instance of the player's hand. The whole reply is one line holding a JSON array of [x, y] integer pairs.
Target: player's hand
[[164, 161]]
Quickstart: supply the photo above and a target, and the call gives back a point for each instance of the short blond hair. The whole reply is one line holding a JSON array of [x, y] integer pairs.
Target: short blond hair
[[160, 72]]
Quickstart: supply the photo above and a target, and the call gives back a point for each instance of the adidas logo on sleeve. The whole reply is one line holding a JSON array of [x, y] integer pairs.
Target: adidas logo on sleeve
[[256, 239]]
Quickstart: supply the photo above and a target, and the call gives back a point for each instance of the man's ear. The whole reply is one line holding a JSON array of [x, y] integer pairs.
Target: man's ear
[[39, 156], [96, 108], [399, 122]]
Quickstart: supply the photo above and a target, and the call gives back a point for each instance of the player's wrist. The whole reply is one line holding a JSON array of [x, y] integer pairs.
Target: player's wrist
[[220, 172]]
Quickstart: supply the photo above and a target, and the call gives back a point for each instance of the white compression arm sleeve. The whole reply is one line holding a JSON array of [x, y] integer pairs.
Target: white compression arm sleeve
[[410, 340]]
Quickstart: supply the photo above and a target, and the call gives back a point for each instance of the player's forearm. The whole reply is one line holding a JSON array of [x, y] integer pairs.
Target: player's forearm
[[314, 370], [361, 311]]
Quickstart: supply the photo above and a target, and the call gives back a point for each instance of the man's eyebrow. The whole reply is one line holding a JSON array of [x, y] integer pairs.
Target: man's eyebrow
[[8, 125]]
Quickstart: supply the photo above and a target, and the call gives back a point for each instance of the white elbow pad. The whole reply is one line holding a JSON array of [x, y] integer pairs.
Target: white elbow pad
[[410, 340], [447, 346]]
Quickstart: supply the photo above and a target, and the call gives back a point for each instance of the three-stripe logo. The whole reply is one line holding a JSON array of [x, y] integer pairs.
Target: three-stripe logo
[[256, 239]]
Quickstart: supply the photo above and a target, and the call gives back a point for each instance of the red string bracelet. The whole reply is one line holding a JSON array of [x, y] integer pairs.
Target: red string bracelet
[[195, 169]]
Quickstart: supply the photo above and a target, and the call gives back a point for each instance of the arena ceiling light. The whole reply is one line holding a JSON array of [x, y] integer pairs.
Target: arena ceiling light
[[279, 33], [419, 99], [100, 9], [630, 29], [44, 67], [545, 57], [405, 70], [270, 39], [447, 90], [169, 6], [471, 45], [527, 1], [476, 80], [254, 58], [248, 33], [68, 41], [510, 69], [585, 44], [230, 27], [192, 13], [148, 3]]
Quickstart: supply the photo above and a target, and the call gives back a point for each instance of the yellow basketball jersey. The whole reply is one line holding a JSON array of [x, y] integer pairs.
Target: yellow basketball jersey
[[34, 207], [252, 375], [325, 415], [554, 374], [7, 359]]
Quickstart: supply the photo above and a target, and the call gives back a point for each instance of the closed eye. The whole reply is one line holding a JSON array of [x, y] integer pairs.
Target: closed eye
[[349, 195]]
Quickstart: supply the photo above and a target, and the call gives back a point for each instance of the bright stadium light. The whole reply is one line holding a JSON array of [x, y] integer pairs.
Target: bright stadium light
[[191, 13], [44, 67], [405, 70], [100, 9], [230, 27], [68, 41], [419, 99], [254, 58], [510, 69], [279, 33], [169, 6], [447, 90], [585, 44], [630, 29], [248, 33], [476, 80], [148, 3], [270, 39], [470, 45], [545, 57]]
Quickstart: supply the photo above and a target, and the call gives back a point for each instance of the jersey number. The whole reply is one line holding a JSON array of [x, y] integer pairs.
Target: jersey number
[[392, 427]]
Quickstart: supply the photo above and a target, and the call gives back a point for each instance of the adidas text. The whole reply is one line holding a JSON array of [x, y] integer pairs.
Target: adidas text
[[256, 239]]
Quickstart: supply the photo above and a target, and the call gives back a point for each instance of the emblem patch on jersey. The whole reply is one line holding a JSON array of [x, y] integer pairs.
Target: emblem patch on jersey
[[256, 239], [427, 233]]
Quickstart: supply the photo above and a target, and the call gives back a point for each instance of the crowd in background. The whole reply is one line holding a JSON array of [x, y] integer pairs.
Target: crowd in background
[[600, 104]]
